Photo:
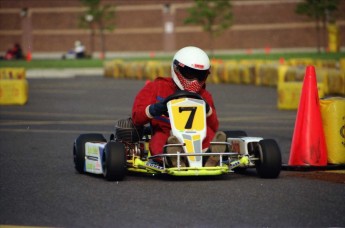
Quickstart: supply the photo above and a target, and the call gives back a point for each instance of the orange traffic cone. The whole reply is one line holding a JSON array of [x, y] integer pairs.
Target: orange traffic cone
[[308, 146], [281, 60], [152, 54], [28, 56]]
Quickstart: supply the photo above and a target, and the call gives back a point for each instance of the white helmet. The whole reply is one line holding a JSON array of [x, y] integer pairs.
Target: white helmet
[[190, 68]]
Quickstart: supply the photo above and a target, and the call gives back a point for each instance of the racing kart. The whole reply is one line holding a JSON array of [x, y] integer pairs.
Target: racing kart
[[127, 148]]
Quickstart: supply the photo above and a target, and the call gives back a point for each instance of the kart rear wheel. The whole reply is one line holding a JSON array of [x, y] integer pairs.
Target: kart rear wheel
[[269, 163], [79, 149], [114, 161]]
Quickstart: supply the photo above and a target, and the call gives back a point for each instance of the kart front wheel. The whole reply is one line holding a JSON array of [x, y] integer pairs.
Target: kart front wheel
[[114, 161], [79, 149], [269, 163]]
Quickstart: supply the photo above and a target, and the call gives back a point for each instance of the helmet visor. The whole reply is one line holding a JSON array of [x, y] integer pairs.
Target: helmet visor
[[190, 73]]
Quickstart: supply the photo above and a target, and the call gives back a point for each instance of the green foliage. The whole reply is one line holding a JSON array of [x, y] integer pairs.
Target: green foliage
[[101, 15], [321, 11], [97, 17], [213, 15], [317, 8]]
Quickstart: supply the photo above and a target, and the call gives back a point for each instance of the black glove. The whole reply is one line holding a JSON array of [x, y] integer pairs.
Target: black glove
[[158, 109]]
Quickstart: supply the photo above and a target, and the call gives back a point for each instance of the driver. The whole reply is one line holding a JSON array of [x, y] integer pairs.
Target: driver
[[189, 71]]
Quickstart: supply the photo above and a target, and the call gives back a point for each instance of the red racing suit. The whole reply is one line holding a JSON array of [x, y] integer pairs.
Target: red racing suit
[[157, 91]]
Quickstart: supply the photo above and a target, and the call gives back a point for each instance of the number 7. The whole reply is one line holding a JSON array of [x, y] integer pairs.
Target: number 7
[[192, 111]]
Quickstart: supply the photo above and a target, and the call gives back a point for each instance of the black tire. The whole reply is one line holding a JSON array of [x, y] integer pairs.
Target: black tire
[[114, 161], [79, 149], [269, 163], [235, 134]]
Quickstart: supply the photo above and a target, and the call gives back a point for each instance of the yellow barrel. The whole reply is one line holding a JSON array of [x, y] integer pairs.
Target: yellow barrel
[[333, 120], [14, 91]]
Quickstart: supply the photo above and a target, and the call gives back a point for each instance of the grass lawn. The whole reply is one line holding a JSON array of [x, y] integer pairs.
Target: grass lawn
[[72, 63]]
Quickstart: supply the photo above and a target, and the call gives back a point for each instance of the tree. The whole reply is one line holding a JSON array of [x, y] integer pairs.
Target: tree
[[213, 15], [321, 11], [97, 17]]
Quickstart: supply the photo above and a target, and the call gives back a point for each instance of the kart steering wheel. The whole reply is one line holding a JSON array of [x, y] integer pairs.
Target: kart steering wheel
[[180, 94]]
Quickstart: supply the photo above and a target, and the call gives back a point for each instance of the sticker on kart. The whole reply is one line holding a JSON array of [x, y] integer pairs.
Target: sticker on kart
[[188, 124]]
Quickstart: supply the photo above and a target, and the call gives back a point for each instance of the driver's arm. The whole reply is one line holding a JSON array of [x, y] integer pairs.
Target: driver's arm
[[212, 119], [143, 100]]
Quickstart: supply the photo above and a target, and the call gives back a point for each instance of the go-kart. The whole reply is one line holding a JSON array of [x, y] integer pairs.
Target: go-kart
[[127, 149]]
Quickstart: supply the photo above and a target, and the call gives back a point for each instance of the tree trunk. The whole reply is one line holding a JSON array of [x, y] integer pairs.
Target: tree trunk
[[318, 35], [102, 44], [211, 44], [101, 33], [324, 33], [92, 41]]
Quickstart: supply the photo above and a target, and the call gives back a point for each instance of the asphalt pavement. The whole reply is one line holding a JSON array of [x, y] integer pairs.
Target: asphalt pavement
[[40, 187]]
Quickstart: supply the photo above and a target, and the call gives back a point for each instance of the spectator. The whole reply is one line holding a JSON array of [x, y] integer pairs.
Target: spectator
[[9, 55], [13, 53], [79, 50], [77, 53], [17, 51]]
